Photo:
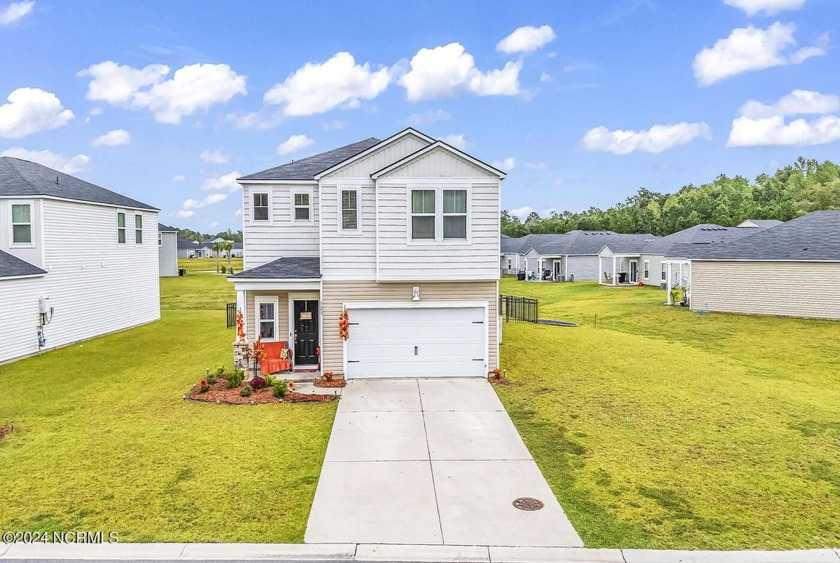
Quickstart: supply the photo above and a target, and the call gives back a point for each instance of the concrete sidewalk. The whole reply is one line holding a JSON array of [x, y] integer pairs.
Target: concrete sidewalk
[[383, 553], [431, 461]]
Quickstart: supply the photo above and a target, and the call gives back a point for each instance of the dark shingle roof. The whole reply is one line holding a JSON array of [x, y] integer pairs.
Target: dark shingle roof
[[26, 179], [704, 233], [191, 244], [815, 236], [164, 229], [576, 243], [763, 223], [12, 267], [307, 168], [305, 267]]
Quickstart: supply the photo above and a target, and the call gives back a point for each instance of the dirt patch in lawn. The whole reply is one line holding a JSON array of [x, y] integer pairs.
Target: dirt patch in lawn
[[330, 383], [497, 380], [6, 430], [220, 393]]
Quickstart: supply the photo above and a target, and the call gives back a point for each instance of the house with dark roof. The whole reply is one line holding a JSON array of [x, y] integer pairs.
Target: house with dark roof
[[396, 239], [572, 256], [76, 260], [791, 269], [167, 251]]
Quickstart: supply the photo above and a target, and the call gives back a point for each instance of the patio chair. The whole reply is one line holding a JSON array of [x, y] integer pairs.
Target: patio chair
[[278, 357], [607, 278]]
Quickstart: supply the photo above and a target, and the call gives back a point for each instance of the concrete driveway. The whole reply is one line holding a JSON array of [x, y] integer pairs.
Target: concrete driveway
[[430, 461]]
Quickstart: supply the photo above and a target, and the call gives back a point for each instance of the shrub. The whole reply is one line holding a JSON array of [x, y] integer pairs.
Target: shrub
[[224, 269], [245, 391], [270, 380], [211, 379], [235, 379], [280, 388], [219, 370], [203, 387], [258, 382]]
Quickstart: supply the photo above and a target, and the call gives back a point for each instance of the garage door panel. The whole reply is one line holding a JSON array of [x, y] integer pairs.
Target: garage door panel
[[416, 342]]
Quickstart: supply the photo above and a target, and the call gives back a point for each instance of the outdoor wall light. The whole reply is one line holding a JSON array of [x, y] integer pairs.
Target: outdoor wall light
[[415, 293]]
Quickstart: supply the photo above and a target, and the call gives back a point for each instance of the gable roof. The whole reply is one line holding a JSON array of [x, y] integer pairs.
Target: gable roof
[[300, 267], [578, 243], [14, 267], [763, 223], [435, 146], [377, 146], [307, 168], [815, 236], [23, 178], [183, 243], [704, 233], [164, 229]]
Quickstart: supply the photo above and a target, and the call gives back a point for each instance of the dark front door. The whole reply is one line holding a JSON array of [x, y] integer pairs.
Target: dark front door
[[306, 332]]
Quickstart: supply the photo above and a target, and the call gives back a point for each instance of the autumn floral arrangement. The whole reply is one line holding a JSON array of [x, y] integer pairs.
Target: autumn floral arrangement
[[240, 325], [344, 325], [259, 350]]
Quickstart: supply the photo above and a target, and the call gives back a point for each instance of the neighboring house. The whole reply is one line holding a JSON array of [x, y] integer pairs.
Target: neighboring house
[[760, 223], [76, 260], [167, 250], [187, 248], [792, 269], [403, 234], [655, 258], [572, 256], [238, 250]]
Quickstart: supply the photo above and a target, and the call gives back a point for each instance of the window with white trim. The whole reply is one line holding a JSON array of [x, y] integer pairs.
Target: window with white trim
[[647, 268], [454, 214], [260, 206], [349, 210], [302, 206], [664, 271], [423, 214], [138, 229], [121, 228], [21, 223], [266, 319], [160, 239]]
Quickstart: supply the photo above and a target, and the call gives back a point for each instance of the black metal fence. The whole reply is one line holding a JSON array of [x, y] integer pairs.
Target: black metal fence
[[231, 314], [515, 308]]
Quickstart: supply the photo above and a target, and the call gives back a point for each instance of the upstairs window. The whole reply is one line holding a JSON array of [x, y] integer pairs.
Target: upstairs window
[[260, 207], [349, 210], [423, 214], [301, 205], [121, 228], [138, 229], [454, 214], [21, 224]]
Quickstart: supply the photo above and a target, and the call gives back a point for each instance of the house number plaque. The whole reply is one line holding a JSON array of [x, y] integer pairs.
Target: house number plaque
[[306, 315]]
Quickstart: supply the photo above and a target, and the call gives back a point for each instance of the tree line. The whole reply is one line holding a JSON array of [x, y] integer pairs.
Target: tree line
[[188, 234], [802, 187]]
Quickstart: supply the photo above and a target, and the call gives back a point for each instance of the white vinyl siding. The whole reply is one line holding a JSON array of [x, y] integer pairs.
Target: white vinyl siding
[[265, 241], [348, 254], [380, 158], [21, 223], [585, 268], [94, 286], [767, 288], [168, 254], [439, 163]]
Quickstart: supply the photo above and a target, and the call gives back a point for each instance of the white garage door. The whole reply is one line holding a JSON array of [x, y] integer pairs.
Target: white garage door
[[417, 342]]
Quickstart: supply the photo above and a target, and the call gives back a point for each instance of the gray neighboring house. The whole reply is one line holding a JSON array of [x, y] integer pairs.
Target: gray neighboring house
[[571, 256], [791, 270], [167, 250], [188, 249]]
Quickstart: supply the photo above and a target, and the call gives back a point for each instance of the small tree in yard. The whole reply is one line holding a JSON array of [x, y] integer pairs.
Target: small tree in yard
[[217, 248], [228, 247]]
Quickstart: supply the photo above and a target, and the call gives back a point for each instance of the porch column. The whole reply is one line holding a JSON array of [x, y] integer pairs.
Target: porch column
[[600, 270], [615, 277], [540, 266], [668, 285], [241, 306]]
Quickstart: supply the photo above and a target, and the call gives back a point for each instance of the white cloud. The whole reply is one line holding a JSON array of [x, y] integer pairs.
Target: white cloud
[[112, 138], [457, 140], [190, 89], [521, 212], [56, 161], [545, 77], [15, 11], [656, 139], [95, 111], [214, 224], [445, 71], [765, 125], [535, 165], [334, 125], [214, 157], [294, 144], [190, 205], [179, 178], [765, 7], [238, 212], [426, 117], [225, 181], [30, 110], [750, 48], [526, 39], [320, 87], [505, 165]]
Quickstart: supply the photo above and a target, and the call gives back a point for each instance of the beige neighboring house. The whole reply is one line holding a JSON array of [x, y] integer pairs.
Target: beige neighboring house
[[402, 233], [791, 269]]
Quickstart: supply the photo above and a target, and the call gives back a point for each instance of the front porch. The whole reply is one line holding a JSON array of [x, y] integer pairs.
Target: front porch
[[618, 269]]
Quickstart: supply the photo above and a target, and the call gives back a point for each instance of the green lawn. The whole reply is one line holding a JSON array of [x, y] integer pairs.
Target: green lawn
[[208, 264], [104, 441], [663, 428]]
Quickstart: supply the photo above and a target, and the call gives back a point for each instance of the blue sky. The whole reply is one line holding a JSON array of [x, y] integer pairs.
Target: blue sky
[[582, 102]]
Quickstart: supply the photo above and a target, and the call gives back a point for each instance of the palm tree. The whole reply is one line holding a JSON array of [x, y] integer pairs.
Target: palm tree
[[217, 248], [228, 247]]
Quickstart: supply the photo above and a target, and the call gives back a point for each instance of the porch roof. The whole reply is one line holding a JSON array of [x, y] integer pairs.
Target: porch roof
[[286, 268]]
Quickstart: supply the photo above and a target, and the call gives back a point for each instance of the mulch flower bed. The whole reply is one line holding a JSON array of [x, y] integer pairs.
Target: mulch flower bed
[[6, 430], [219, 393], [497, 379], [330, 383]]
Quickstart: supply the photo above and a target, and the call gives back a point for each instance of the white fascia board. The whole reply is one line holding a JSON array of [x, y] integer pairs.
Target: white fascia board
[[277, 182], [55, 198], [439, 144], [374, 148], [409, 304], [437, 280], [275, 285], [30, 276]]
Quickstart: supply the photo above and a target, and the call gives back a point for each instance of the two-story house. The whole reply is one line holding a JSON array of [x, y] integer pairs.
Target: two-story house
[[76, 260], [167, 251], [402, 234]]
